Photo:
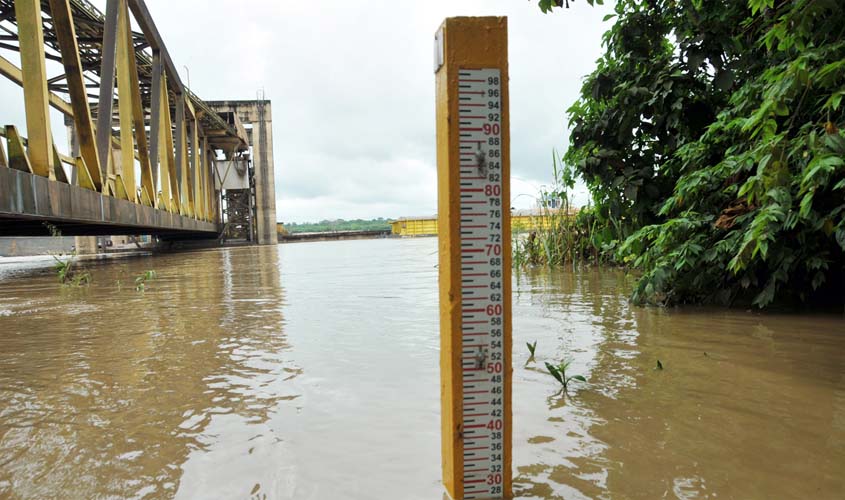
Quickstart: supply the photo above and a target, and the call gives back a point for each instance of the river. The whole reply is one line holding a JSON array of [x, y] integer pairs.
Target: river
[[310, 371]]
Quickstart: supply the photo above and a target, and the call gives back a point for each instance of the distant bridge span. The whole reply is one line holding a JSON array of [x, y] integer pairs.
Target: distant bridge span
[[144, 149]]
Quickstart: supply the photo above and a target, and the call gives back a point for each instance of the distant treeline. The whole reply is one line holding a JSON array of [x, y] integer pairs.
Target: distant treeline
[[379, 224]]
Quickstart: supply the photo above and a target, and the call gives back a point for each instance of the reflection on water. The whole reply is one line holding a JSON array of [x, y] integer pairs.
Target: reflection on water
[[111, 392], [747, 405], [310, 371]]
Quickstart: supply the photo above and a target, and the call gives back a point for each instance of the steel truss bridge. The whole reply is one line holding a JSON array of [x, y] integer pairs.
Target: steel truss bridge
[[144, 145]]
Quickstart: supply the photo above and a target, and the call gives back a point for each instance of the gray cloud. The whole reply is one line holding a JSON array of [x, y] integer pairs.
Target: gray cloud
[[353, 91]]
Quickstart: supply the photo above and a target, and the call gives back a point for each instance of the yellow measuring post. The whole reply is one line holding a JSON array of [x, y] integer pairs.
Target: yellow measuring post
[[473, 171]]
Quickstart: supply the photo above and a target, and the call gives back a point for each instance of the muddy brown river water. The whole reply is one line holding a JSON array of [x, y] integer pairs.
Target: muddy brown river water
[[310, 371]]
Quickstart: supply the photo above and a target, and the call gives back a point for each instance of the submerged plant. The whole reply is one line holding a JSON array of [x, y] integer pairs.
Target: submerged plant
[[141, 281], [531, 349], [559, 373], [68, 274]]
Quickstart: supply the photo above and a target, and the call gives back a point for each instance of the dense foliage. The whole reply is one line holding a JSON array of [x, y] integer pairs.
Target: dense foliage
[[710, 137], [379, 224]]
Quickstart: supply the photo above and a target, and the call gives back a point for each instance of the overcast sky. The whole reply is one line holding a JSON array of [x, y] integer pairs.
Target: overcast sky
[[352, 89]]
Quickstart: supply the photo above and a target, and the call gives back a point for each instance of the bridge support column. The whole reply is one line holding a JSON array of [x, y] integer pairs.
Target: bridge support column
[[85, 245], [259, 114], [265, 188]]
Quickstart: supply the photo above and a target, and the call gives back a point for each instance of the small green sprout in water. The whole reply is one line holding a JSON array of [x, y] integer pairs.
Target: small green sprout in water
[[559, 373], [69, 275], [531, 349], [141, 281]]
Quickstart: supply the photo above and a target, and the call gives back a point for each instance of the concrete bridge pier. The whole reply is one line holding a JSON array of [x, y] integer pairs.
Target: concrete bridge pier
[[257, 118], [85, 245]]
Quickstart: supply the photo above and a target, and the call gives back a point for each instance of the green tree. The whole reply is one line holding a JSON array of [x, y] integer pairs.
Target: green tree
[[709, 136]]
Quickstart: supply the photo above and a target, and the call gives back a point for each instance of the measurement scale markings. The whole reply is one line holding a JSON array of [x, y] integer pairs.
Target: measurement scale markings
[[481, 268]]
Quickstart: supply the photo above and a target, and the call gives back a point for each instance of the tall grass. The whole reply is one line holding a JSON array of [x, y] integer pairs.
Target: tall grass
[[558, 236], [66, 269]]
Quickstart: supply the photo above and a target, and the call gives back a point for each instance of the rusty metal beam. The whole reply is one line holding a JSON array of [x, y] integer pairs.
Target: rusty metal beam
[[180, 145], [124, 104], [155, 118], [18, 159], [30, 31], [193, 177], [106, 100], [145, 22], [169, 183], [83, 124], [138, 116], [13, 73]]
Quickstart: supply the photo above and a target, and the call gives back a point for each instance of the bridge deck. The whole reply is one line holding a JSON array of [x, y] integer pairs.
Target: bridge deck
[[30, 203]]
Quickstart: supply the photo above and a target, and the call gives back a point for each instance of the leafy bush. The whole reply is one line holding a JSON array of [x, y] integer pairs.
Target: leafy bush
[[710, 137]]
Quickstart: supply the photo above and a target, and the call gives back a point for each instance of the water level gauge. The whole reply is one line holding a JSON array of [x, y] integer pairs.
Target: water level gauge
[[475, 263]]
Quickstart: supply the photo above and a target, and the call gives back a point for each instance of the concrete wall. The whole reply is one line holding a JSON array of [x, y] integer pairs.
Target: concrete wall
[[18, 247], [259, 114], [27, 201]]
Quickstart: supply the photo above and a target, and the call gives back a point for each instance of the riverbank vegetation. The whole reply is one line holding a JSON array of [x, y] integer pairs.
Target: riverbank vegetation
[[562, 235], [710, 137], [379, 224]]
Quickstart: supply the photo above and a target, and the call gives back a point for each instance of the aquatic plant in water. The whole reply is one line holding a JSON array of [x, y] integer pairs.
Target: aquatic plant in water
[[559, 373], [141, 281], [68, 274], [531, 349]]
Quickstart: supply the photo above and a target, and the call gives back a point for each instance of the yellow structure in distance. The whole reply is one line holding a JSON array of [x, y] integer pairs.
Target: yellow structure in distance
[[522, 221]]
